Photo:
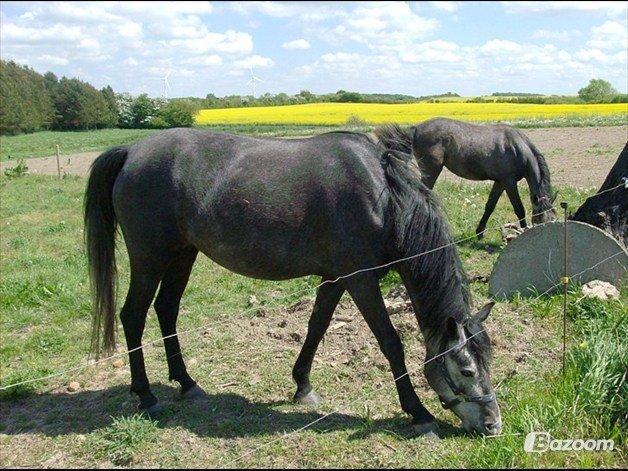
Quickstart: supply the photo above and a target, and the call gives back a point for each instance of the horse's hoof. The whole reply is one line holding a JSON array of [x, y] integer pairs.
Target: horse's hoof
[[195, 392], [427, 430], [152, 411], [310, 399], [479, 234]]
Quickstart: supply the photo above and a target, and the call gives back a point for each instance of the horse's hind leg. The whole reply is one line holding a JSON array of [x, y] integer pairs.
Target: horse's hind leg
[[496, 192], [167, 307], [365, 291], [515, 200], [327, 299], [145, 276]]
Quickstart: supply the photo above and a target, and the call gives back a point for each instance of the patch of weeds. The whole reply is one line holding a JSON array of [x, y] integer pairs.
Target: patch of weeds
[[354, 121], [17, 242], [17, 171], [598, 362], [23, 389], [58, 227], [124, 438]]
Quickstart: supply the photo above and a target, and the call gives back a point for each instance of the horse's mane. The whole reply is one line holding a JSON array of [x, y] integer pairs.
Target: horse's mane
[[545, 185], [394, 137], [421, 228]]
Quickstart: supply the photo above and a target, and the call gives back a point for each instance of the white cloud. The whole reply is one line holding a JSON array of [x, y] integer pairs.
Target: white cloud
[[552, 35], [383, 26], [232, 42], [500, 46], [130, 62], [210, 60], [52, 60], [449, 7], [433, 51], [254, 61], [296, 44], [303, 10], [610, 8], [609, 35], [11, 33]]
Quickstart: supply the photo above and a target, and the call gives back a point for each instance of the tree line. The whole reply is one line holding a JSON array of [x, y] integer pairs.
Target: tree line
[[32, 102], [305, 96]]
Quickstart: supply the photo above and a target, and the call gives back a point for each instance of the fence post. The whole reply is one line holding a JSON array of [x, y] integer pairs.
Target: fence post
[[565, 281], [58, 164]]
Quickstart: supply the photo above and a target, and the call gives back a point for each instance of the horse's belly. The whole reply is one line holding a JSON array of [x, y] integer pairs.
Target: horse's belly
[[256, 262], [259, 249]]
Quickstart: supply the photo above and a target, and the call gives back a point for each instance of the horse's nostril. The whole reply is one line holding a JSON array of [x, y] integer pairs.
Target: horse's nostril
[[493, 428]]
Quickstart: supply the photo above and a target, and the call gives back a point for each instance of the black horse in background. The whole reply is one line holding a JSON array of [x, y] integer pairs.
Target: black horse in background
[[277, 209], [498, 152]]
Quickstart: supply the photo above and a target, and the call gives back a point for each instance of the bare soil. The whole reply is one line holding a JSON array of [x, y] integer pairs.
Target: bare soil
[[579, 157]]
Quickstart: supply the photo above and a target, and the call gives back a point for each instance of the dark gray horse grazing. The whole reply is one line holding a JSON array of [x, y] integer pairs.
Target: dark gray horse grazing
[[278, 209], [479, 152]]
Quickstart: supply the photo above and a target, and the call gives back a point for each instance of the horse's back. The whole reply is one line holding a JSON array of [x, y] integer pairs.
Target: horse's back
[[474, 151], [268, 208]]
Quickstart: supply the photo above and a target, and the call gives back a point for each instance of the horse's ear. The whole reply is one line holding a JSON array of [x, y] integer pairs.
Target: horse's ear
[[453, 328], [483, 313], [554, 196]]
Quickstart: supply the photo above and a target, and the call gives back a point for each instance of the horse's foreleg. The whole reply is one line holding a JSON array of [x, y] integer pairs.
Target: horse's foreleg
[[513, 194], [133, 316], [496, 192], [327, 299], [167, 308], [364, 290]]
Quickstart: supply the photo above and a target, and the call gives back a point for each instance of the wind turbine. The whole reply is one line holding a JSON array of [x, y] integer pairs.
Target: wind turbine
[[253, 80], [166, 84]]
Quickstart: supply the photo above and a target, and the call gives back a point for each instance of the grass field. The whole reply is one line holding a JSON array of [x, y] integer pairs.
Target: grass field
[[411, 113], [243, 359]]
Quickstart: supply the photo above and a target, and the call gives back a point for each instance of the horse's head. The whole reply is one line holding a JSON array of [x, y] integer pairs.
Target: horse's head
[[543, 208], [461, 377]]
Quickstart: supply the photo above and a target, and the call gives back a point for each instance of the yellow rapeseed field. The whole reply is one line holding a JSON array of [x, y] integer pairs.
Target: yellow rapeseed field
[[374, 113]]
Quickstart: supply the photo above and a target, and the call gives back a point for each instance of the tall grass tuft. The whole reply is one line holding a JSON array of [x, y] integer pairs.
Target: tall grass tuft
[[598, 365]]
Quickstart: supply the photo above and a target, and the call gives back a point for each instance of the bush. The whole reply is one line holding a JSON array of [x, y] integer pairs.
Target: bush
[[157, 122], [142, 110], [620, 98], [177, 113], [355, 121]]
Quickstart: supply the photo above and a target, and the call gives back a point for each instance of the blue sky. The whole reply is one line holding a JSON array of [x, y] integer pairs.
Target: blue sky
[[417, 48]]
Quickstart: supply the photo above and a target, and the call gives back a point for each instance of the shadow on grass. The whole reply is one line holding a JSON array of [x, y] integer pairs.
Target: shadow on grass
[[220, 415], [489, 247]]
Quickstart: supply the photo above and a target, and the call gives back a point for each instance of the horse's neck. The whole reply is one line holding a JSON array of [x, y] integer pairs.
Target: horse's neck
[[533, 177], [431, 316]]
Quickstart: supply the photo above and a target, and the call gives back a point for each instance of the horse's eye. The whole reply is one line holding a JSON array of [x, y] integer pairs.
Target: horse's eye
[[467, 372]]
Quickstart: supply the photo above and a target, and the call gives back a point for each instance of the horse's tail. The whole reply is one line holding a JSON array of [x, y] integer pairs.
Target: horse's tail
[[422, 233], [100, 234]]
